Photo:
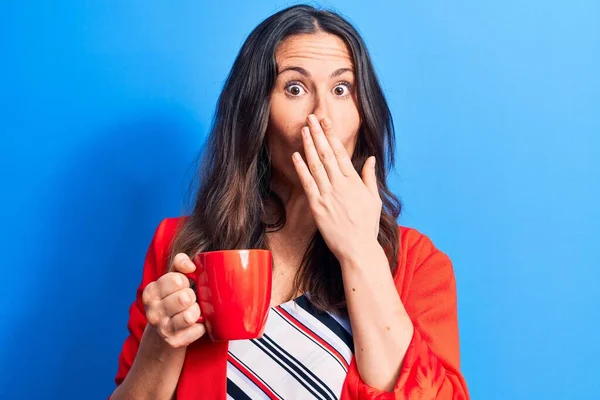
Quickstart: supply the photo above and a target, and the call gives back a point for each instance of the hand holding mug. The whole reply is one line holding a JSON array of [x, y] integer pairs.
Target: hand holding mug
[[171, 307], [234, 292]]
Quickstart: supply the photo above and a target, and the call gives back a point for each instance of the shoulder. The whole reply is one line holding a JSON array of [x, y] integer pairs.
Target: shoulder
[[166, 231], [414, 244], [420, 260], [158, 253]]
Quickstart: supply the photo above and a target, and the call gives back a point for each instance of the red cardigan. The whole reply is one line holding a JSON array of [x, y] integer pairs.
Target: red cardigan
[[426, 285]]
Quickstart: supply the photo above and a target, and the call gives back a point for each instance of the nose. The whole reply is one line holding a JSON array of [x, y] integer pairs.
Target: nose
[[320, 106]]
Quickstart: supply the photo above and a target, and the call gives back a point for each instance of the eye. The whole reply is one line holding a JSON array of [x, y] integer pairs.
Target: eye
[[294, 89], [342, 89]]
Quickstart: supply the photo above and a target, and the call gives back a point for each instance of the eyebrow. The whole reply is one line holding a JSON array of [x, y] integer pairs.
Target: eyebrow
[[304, 72]]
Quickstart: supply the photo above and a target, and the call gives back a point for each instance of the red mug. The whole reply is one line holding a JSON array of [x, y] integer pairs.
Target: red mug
[[233, 288]]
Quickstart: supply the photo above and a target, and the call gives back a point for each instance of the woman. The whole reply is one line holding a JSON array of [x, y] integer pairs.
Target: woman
[[296, 163]]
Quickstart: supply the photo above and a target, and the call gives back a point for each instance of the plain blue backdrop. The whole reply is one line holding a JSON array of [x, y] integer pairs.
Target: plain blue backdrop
[[496, 104]]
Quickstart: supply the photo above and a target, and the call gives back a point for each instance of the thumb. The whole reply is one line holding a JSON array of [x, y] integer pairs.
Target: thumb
[[369, 176], [183, 264]]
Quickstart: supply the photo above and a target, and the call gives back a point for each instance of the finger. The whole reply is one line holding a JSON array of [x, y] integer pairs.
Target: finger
[[171, 282], [339, 151], [177, 302], [369, 176], [150, 293], [324, 150], [182, 263], [307, 180], [187, 335], [315, 165], [184, 318]]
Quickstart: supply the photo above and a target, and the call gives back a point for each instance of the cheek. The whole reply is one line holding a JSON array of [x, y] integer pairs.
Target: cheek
[[285, 123], [283, 134], [286, 115]]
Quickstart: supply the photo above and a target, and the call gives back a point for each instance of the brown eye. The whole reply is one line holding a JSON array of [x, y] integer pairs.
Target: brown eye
[[342, 89], [294, 89]]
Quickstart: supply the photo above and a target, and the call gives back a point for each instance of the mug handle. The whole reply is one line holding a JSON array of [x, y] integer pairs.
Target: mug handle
[[192, 279]]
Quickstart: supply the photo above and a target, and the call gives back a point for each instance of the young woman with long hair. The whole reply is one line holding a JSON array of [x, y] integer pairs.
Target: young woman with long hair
[[296, 162]]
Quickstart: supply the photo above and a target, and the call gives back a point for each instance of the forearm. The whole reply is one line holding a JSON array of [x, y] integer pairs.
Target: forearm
[[381, 328], [155, 371]]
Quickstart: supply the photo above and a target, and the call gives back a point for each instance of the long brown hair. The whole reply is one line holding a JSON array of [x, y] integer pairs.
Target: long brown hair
[[234, 176]]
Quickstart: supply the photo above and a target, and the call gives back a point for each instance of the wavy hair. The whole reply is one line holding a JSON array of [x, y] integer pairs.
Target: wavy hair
[[234, 176]]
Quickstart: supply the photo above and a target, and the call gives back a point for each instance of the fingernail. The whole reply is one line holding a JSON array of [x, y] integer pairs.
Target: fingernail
[[296, 156], [313, 118], [326, 123]]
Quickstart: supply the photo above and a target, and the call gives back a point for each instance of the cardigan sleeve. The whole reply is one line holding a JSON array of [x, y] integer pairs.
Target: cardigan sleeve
[[154, 266], [430, 369]]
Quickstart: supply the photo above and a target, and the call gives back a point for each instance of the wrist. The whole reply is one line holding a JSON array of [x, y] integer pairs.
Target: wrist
[[159, 349], [363, 255]]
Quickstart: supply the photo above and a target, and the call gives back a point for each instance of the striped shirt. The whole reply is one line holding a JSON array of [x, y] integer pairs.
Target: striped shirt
[[304, 353]]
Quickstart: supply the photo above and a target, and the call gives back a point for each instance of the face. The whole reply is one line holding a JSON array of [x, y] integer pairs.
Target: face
[[315, 76]]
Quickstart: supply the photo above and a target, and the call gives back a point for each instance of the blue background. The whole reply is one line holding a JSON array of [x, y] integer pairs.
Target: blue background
[[105, 105]]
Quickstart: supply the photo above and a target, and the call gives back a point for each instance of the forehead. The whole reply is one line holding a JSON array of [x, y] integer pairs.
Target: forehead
[[313, 49]]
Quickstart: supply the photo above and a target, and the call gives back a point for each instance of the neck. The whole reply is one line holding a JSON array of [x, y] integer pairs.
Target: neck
[[299, 224]]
